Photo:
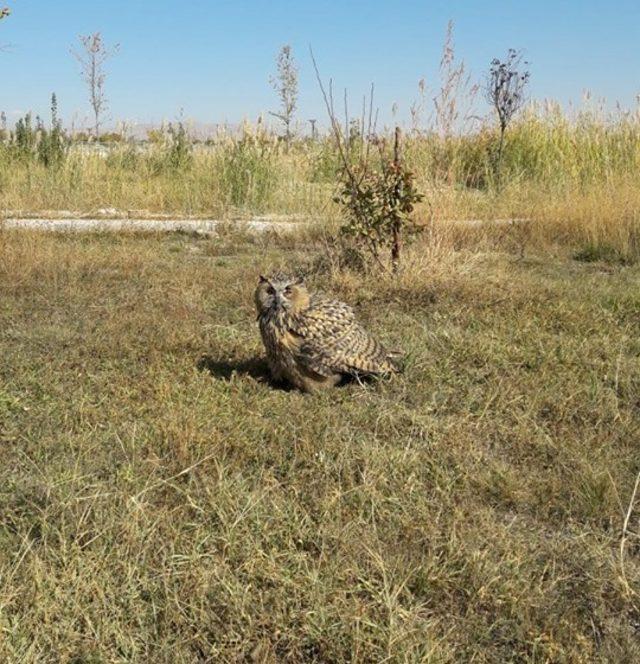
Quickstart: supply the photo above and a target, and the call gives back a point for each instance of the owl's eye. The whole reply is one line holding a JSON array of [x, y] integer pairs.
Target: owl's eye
[[271, 290], [288, 290]]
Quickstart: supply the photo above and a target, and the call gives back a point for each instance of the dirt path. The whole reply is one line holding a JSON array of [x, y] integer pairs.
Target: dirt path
[[200, 226], [66, 223]]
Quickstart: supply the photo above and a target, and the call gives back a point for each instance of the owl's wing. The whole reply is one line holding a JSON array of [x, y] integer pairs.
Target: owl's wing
[[332, 341]]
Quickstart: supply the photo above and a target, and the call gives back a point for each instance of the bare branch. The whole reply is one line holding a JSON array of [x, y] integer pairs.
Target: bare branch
[[328, 102]]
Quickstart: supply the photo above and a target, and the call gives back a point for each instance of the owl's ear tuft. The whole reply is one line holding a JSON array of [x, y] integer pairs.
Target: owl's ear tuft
[[299, 281], [262, 280]]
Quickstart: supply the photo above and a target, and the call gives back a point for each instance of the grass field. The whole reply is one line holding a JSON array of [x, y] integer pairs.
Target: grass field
[[574, 174], [160, 501]]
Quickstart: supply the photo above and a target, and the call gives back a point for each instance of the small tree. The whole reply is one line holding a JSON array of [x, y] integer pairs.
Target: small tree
[[92, 58], [377, 198], [378, 202], [506, 92], [285, 83]]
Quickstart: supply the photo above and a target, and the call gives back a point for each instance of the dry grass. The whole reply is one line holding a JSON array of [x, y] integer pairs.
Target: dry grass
[[574, 177], [469, 510]]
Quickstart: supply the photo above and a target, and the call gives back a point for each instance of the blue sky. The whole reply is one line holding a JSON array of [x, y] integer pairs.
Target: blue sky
[[213, 58]]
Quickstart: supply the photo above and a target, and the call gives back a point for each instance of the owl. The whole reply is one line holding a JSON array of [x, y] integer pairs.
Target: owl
[[311, 341]]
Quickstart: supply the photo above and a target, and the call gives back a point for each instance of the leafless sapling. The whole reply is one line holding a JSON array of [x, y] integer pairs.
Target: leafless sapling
[[506, 92], [285, 83], [92, 57]]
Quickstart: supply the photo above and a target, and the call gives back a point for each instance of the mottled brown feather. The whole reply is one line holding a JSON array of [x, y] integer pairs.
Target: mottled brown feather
[[313, 341], [332, 341]]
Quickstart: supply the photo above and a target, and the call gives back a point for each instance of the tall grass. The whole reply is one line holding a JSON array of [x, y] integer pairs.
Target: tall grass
[[573, 175], [545, 147]]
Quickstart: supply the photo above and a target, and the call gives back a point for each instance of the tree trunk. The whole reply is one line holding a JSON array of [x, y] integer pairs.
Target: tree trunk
[[396, 246], [499, 156]]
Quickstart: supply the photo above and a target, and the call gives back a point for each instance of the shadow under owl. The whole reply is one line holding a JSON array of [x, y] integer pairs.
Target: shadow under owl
[[253, 367], [258, 369]]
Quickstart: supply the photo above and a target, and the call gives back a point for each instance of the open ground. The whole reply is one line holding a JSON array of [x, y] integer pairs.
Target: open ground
[[162, 501]]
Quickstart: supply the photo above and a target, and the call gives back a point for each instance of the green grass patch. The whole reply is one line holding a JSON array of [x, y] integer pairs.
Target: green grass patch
[[594, 253]]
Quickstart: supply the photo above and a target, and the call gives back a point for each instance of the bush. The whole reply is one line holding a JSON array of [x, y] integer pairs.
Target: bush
[[173, 150], [247, 170], [595, 253], [179, 149], [52, 144], [125, 156], [378, 204], [24, 138], [37, 143]]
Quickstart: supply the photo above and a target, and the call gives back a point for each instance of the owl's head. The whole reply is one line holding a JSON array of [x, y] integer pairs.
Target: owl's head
[[281, 294]]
